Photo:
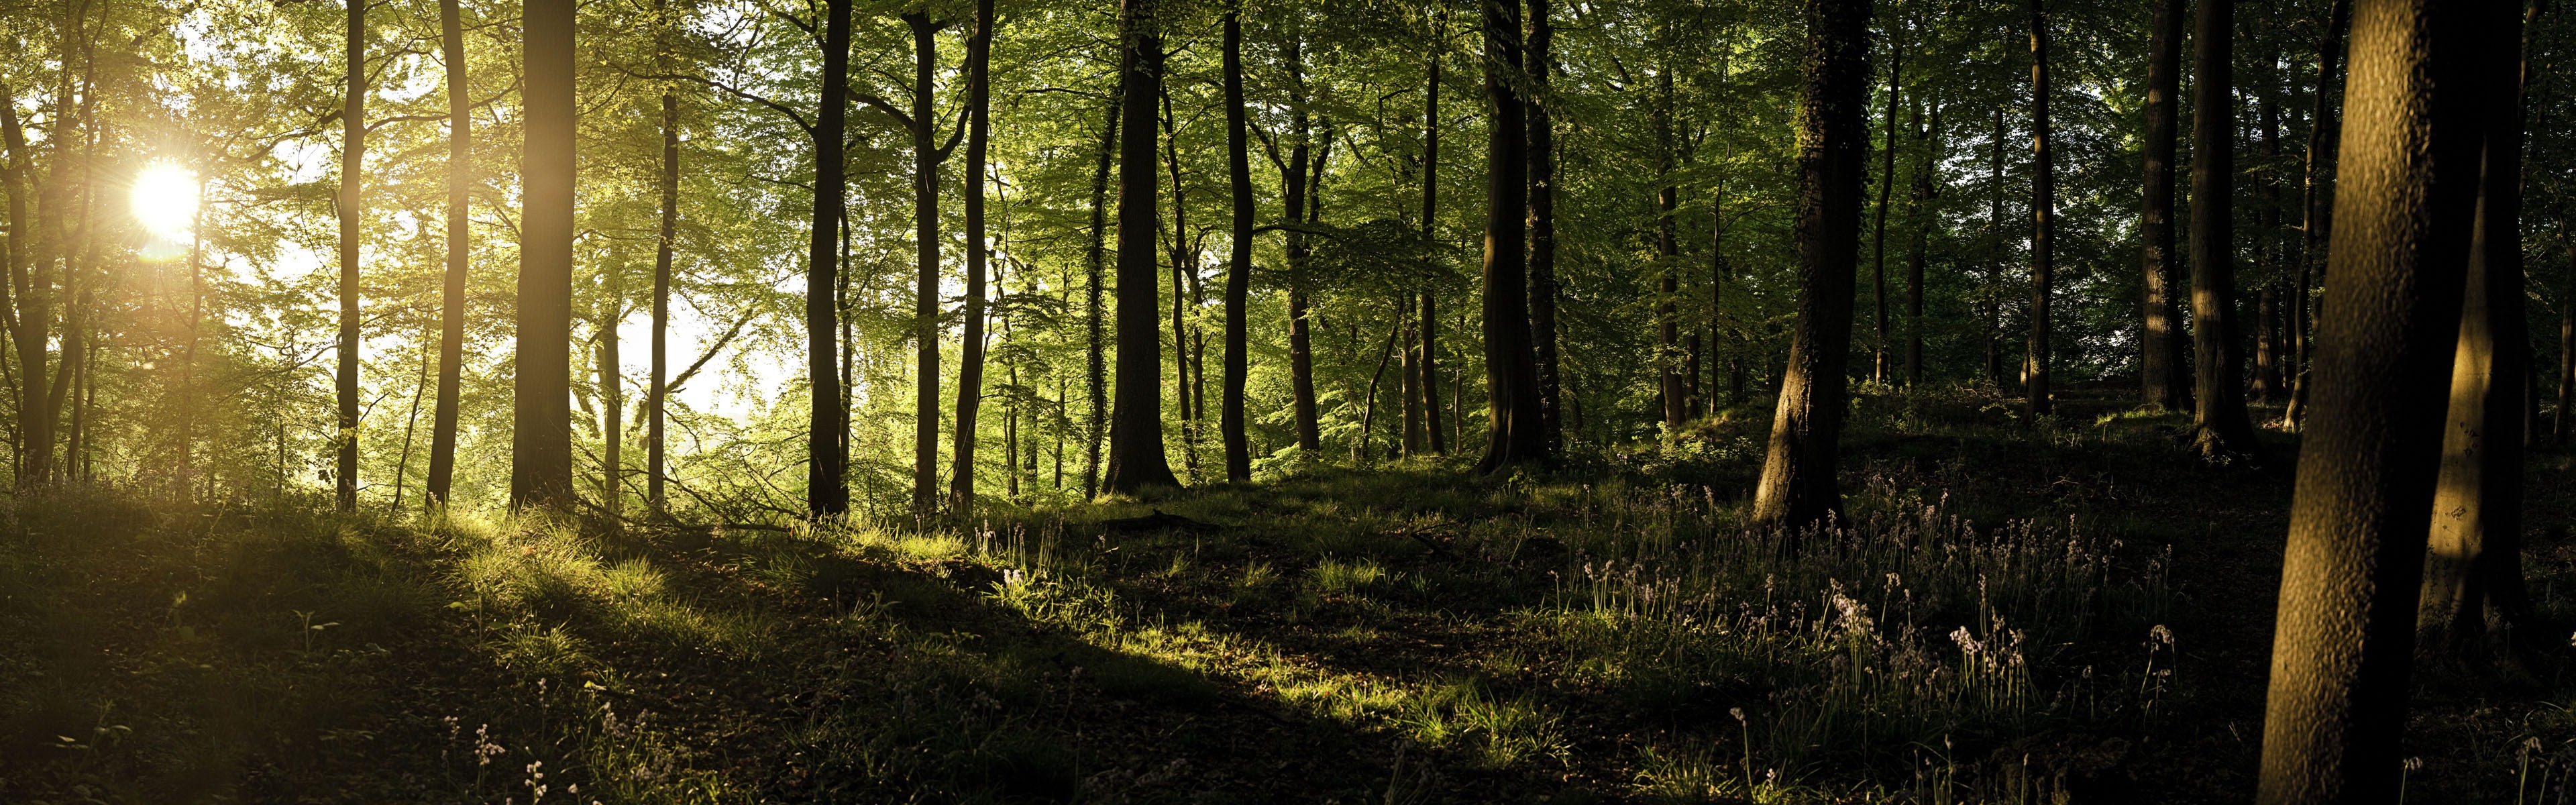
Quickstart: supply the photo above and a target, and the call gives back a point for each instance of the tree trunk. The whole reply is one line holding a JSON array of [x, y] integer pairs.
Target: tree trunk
[[1301, 353], [826, 490], [1096, 362], [28, 313], [1136, 458], [925, 299], [1995, 263], [451, 316], [2268, 385], [1668, 251], [2558, 428], [541, 426], [1238, 269], [970, 361], [2160, 360], [1183, 268], [1428, 363], [1925, 192], [2043, 216], [1514, 432], [2218, 391], [2421, 86], [1878, 364], [612, 403], [2315, 208], [1798, 486], [664, 246], [352, 209], [1540, 142], [2473, 572]]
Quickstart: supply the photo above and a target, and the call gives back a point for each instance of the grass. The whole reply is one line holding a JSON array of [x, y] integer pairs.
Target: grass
[[2067, 609]]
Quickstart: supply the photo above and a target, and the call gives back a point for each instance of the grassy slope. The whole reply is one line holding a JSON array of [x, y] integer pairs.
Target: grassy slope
[[1403, 635]]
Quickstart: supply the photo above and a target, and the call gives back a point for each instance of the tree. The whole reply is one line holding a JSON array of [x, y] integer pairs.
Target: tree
[[826, 490], [2420, 83], [2160, 361], [1136, 458], [1540, 142], [352, 208], [1798, 487], [1238, 268], [2218, 398], [970, 365], [1514, 434], [1302, 158], [664, 244], [1878, 364], [2043, 215], [2474, 569], [1095, 354], [1668, 251], [2314, 207], [541, 422], [451, 317]]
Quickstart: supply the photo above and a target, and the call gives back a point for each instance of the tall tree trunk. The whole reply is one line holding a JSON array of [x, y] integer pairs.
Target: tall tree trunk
[[460, 253], [2474, 569], [1184, 266], [2268, 385], [1514, 432], [25, 313], [1301, 352], [664, 246], [1925, 192], [2558, 428], [1410, 378], [612, 403], [2218, 390], [925, 298], [1540, 142], [541, 426], [1798, 486], [352, 209], [1136, 458], [1096, 361], [2160, 360], [1995, 262], [1238, 268], [826, 489], [1428, 363], [1668, 249], [2043, 217], [970, 361], [2315, 207], [2422, 81], [1878, 364]]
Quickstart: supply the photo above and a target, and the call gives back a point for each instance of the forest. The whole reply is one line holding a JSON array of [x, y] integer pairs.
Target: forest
[[1657, 401]]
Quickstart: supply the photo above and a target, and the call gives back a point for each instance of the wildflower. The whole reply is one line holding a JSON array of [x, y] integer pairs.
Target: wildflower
[[1738, 713], [1968, 643], [2161, 634]]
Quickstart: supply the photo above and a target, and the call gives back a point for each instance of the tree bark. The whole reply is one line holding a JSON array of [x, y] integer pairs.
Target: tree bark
[[451, 316], [1136, 458], [612, 402], [1428, 363], [826, 489], [1668, 249], [926, 157], [1238, 271], [2315, 208], [970, 361], [1540, 141], [1798, 486], [1878, 365], [1096, 363], [2043, 217], [664, 246], [2473, 573], [1514, 432], [1995, 263], [2218, 391], [2268, 382], [2160, 359], [541, 419], [1301, 352], [2421, 82], [352, 209], [1925, 192]]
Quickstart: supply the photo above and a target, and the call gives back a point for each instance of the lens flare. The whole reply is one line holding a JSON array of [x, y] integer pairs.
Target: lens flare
[[165, 200]]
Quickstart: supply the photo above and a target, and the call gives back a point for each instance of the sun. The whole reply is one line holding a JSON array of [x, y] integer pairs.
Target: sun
[[165, 200]]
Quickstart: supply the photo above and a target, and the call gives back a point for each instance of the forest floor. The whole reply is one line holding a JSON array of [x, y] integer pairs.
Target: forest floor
[[2065, 610]]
